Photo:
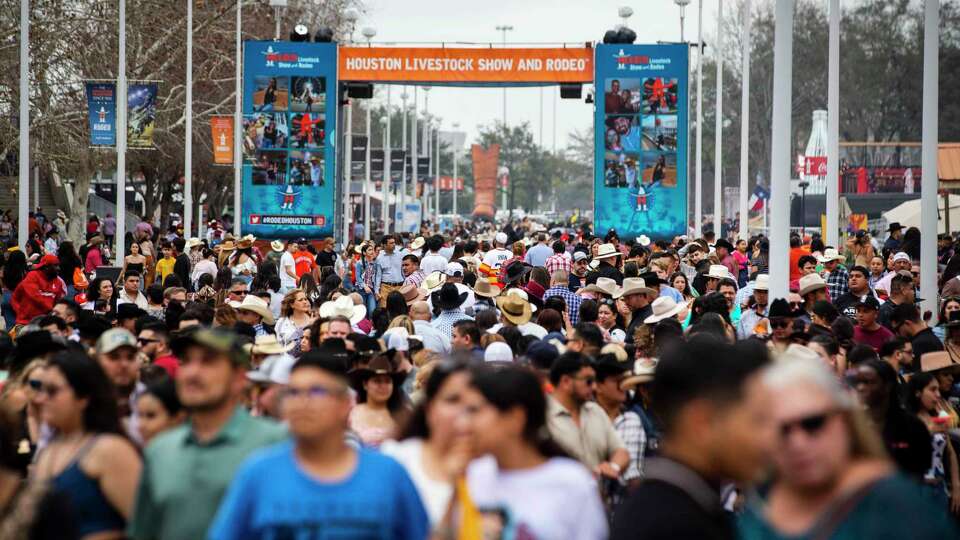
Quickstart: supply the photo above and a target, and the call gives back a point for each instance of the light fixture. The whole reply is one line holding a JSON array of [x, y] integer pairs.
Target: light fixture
[[368, 32], [300, 33], [323, 35]]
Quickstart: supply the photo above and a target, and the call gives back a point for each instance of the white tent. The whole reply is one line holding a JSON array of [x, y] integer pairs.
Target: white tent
[[908, 214]]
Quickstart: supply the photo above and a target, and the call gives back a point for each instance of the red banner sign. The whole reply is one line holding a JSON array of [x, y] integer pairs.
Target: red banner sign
[[815, 165], [446, 183]]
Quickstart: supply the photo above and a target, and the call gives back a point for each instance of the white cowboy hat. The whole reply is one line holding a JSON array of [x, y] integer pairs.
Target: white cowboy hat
[[433, 282], [604, 285], [664, 307], [810, 283], [830, 254], [762, 283], [193, 242], [258, 306], [343, 307], [605, 251], [417, 243], [644, 240], [276, 245], [719, 271], [643, 372], [268, 344], [635, 286]]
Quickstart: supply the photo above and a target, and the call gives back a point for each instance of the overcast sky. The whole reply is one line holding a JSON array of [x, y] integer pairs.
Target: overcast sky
[[534, 21]]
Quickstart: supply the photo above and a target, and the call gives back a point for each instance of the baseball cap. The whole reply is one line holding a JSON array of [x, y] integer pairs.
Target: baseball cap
[[501, 238], [454, 269], [870, 302], [115, 338], [901, 256], [579, 256], [498, 351], [47, 260], [215, 340]]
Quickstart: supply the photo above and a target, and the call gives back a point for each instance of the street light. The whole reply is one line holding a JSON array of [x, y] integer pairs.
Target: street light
[[351, 16], [803, 207], [369, 32], [683, 5], [456, 151], [503, 29]]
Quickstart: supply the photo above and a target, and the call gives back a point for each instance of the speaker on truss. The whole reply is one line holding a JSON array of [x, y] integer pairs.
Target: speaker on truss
[[571, 91], [360, 90]]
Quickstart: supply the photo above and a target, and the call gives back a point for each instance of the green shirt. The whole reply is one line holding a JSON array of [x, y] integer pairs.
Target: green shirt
[[183, 480]]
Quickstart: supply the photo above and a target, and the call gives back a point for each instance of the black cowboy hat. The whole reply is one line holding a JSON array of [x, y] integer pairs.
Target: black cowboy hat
[[382, 364], [450, 297], [953, 319], [779, 308], [723, 243], [895, 226], [33, 345], [651, 279], [516, 271]]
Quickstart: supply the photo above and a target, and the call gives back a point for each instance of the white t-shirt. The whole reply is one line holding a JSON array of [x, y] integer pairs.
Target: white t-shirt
[[433, 262], [286, 280], [558, 500], [495, 257], [434, 495]]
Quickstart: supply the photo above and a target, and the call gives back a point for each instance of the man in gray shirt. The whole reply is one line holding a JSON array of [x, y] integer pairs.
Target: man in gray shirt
[[391, 272]]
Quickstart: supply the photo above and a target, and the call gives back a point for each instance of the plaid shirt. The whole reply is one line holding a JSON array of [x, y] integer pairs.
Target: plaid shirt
[[630, 429], [447, 318], [558, 261], [415, 278], [572, 300], [838, 282]]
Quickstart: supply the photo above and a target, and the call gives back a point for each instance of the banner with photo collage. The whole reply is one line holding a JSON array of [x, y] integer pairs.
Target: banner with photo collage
[[641, 140], [289, 133]]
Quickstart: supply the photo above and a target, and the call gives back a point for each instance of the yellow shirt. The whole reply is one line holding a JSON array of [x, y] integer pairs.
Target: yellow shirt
[[165, 267]]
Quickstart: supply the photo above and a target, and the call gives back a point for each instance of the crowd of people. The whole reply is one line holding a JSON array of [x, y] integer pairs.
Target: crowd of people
[[502, 382]]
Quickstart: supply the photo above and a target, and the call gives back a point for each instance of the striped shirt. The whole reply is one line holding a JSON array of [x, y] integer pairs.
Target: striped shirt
[[573, 301]]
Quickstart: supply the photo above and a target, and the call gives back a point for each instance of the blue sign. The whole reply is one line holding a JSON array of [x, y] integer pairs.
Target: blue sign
[[640, 171], [102, 110], [289, 134]]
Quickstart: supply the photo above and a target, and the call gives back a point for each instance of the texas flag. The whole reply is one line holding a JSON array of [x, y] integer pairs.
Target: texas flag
[[758, 198]]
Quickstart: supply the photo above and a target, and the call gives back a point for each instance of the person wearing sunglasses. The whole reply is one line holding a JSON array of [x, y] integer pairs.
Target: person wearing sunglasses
[[780, 316], [578, 424], [833, 478], [316, 481]]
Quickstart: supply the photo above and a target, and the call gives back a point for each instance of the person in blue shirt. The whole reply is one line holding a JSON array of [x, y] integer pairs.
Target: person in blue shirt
[[316, 484]]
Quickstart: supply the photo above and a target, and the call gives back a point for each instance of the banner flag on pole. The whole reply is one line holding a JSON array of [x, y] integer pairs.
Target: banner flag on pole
[[221, 129], [758, 198], [102, 110], [141, 114]]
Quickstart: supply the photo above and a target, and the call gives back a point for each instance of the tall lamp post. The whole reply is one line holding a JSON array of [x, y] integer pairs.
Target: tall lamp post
[[456, 152], [23, 200], [718, 131], [401, 217], [803, 207], [698, 181], [682, 4], [368, 32], [503, 29]]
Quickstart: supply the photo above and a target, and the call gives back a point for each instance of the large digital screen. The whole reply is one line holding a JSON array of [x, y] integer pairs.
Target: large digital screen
[[289, 127], [641, 140]]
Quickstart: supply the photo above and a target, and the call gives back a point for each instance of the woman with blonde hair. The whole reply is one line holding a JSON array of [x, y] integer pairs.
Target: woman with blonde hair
[[296, 313], [21, 398], [833, 478], [402, 321]]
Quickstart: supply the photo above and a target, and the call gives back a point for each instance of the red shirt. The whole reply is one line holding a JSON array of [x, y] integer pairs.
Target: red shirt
[[304, 263], [170, 363], [36, 295], [873, 338]]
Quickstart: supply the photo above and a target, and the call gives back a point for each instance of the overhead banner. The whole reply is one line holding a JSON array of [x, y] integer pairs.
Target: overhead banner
[[464, 65], [288, 139], [102, 110], [221, 131], [641, 140], [141, 114]]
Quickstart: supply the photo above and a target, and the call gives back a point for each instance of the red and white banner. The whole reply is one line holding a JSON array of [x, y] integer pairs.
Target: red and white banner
[[815, 165], [446, 183]]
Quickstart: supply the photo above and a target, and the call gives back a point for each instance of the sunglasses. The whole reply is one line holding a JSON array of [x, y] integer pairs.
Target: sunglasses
[[780, 323], [239, 293], [35, 384], [810, 425], [146, 341]]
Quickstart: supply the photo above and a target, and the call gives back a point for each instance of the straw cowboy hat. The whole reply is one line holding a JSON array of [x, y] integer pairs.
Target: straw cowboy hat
[[635, 286], [412, 294], [643, 372], [433, 282], [933, 361], [515, 309], [268, 344], [226, 246], [810, 283], [762, 283], [245, 242], [483, 288], [417, 243], [256, 305], [719, 271], [343, 307], [277, 246], [603, 285], [522, 294], [193, 242], [664, 307], [830, 254], [606, 251]]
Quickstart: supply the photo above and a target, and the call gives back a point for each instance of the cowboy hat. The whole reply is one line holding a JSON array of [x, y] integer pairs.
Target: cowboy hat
[[450, 297], [257, 305], [245, 242], [933, 361], [268, 344], [275, 369], [193, 242], [411, 293], [417, 243], [515, 271], [343, 307], [719, 271], [433, 282], [634, 286], [485, 289], [534, 289], [522, 294], [644, 240], [605, 251], [723, 243], [779, 308], [664, 307], [604, 285], [895, 226], [762, 283], [810, 283], [643, 372], [227, 245], [830, 254], [515, 309], [381, 364], [276, 245]]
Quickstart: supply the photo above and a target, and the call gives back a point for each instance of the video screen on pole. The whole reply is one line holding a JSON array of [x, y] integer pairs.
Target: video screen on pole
[[641, 119], [288, 155]]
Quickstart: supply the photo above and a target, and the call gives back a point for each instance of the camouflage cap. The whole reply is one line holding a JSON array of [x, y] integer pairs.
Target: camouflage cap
[[214, 339]]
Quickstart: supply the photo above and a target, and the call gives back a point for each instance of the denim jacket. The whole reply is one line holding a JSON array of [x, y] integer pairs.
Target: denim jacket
[[361, 268]]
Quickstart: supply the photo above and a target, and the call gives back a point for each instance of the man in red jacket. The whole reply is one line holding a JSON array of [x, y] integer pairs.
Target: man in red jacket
[[39, 290]]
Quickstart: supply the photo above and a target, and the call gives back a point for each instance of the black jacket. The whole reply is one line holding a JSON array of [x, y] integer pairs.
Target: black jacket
[[607, 271]]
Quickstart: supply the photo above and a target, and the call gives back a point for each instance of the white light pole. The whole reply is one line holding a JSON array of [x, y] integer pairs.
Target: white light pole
[[188, 135], [718, 131], [930, 180], [456, 152], [23, 195], [745, 123], [698, 181], [401, 222], [368, 32], [832, 234], [780, 150], [683, 9], [387, 166], [238, 126], [414, 173], [436, 176], [121, 134], [348, 167], [425, 148], [503, 29]]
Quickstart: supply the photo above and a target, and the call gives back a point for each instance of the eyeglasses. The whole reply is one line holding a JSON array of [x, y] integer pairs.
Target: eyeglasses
[[310, 392], [796, 305], [35, 384], [811, 425], [780, 323], [239, 293]]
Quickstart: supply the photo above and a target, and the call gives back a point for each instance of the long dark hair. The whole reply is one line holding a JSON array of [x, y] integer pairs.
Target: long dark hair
[[69, 261], [397, 402], [88, 380], [514, 386], [916, 385], [888, 378], [396, 305], [15, 269], [416, 427]]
